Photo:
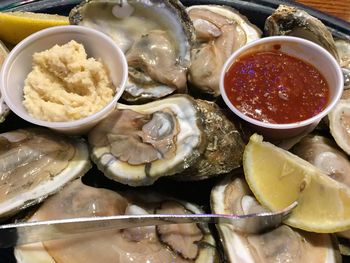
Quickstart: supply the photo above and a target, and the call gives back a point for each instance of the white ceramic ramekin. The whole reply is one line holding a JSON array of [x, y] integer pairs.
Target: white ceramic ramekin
[[306, 51], [18, 64]]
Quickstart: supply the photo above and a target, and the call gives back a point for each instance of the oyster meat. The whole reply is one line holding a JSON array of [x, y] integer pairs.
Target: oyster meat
[[36, 163], [291, 21], [324, 153], [283, 244], [220, 30], [4, 110], [339, 124], [338, 118], [327, 156], [155, 35], [136, 145], [167, 243]]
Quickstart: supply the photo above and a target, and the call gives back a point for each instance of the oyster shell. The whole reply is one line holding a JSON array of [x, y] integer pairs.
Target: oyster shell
[[283, 244], [136, 145], [339, 124], [28, 173], [220, 30], [167, 243], [4, 110], [155, 35], [343, 48], [291, 21], [225, 145]]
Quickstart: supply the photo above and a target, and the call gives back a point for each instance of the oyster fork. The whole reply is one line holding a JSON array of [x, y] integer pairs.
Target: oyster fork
[[31, 232]]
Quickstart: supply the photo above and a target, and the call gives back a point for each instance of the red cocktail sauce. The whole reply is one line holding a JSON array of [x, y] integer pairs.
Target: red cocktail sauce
[[271, 86]]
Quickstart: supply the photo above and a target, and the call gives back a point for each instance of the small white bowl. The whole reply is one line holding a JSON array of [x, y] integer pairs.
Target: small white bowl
[[18, 65], [298, 48]]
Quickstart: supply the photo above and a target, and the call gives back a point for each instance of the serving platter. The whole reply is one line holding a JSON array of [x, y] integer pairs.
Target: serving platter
[[256, 11]]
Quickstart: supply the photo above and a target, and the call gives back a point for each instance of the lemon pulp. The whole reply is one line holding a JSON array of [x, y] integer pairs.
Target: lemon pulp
[[278, 178]]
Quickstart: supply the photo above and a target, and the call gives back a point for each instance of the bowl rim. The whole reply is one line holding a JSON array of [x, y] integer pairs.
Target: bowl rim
[[293, 125], [52, 31]]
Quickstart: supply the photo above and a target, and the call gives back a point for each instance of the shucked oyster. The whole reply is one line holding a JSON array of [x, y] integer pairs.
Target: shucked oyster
[[219, 32], [287, 20], [155, 35], [4, 110], [36, 163], [339, 118], [283, 244], [136, 145], [168, 243], [324, 154], [339, 124]]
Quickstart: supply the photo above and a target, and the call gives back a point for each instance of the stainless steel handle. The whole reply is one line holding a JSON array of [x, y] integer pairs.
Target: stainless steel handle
[[31, 232]]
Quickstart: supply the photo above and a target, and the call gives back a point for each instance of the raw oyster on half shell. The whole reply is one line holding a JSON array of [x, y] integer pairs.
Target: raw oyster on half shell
[[4, 110], [220, 30], [35, 163], [155, 35], [283, 244], [339, 117], [291, 21], [136, 145], [339, 124], [158, 244], [324, 153]]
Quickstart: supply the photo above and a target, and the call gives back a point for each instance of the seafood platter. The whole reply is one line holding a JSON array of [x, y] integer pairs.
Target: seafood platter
[[172, 145]]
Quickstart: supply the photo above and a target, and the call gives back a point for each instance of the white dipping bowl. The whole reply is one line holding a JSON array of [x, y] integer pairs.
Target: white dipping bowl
[[302, 49], [18, 65]]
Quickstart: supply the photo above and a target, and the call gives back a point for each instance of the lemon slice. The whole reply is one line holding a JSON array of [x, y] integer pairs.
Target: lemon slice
[[278, 178], [16, 26]]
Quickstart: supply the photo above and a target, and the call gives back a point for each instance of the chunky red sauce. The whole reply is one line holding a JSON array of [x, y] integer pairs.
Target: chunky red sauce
[[274, 87]]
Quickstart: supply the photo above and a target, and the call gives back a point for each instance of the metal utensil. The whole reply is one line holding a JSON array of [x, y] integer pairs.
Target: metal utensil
[[31, 232]]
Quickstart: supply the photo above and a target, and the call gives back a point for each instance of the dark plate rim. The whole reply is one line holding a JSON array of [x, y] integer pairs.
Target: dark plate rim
[[340, 28]]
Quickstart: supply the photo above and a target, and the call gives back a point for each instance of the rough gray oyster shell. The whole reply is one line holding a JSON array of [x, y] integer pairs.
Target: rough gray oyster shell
[[291, 21]]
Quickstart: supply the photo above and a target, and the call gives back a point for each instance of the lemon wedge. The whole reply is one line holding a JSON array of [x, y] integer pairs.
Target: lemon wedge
[[277, 178], [16, 26]]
